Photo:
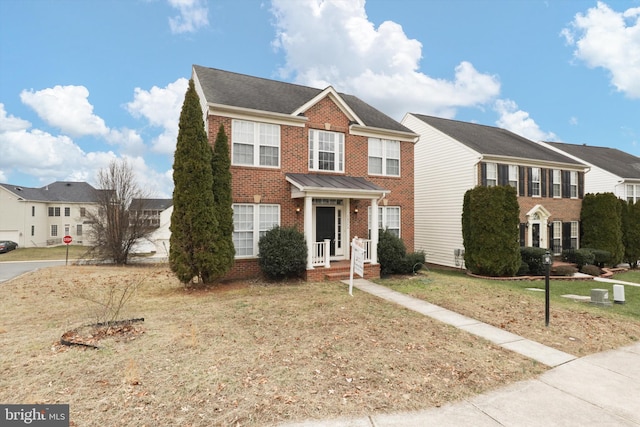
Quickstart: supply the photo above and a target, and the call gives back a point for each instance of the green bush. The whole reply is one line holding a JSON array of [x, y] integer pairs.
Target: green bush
[[565, 270], [580, 257], [601, 257], [591, 270], [411, 263], [282, 253], [391, 252], [523, 270], [601, 218], [532, 256]]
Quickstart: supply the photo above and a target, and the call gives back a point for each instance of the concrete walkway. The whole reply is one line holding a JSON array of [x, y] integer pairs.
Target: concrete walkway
[[601, 389]]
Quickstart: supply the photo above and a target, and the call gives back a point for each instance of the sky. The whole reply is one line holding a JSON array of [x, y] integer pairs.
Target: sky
[[83, 83]]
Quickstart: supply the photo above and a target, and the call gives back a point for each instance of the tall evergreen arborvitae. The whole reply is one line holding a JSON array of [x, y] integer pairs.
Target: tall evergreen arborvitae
[[220, 165], [631, 232], [193, 223], [601, 218]]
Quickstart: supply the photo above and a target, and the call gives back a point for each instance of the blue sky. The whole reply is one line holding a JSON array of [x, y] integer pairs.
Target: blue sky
[[86, 82]]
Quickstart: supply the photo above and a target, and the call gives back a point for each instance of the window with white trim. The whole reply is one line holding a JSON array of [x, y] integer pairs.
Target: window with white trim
[[388, 218], [557, 183], [384, 157], [574, 234], [255, 144], [492, 174], [513, 176], [249, 218], [556, 243], [573, 184], [535, 182], [326, 150], [633, 193], [54, 230]]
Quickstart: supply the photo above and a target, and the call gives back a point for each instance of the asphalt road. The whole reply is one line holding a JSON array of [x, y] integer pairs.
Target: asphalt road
[[9, 270]]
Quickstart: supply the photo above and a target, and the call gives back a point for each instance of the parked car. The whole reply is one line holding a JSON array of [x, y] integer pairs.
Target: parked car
[[7, 245]]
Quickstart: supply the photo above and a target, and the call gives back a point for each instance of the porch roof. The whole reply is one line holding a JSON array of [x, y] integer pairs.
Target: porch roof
[[333, 185]]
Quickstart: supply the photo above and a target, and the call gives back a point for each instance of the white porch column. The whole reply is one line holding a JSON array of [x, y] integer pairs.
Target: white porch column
[[374, 231], [308, 230]]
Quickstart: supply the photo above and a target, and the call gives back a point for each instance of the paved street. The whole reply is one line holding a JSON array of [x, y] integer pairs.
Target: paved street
[[9, 270]]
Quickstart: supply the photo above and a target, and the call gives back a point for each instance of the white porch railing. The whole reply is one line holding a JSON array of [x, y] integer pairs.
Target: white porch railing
[[322, 253]]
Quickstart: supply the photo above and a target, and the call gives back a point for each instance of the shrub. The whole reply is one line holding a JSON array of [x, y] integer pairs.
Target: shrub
[[282, 253], [532, 256], [411, 263], [565, 270], [391, 252], [591, 270], [601, 257], [523, 270], [580, 257], [601, 218]]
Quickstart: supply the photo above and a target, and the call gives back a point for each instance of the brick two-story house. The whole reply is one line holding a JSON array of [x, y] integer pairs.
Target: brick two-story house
[[452, 157], [322, 161]]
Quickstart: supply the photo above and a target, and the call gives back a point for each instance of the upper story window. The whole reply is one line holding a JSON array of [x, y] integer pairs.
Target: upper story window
[[557, 183], [33, 211], [326, 151], [67, 211], [83, 212], [255, 144], [573, 184], [513, 176], [54, 211], [633, 193], [384, 157], [535, 182], [492, 174]]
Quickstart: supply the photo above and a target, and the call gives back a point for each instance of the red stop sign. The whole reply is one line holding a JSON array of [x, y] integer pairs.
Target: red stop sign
[[67, 239]]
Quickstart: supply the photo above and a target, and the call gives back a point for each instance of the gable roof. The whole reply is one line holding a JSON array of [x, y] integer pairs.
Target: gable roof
[[151, 204], [255, 93], [494, 141], [612, 160], [59, 191]]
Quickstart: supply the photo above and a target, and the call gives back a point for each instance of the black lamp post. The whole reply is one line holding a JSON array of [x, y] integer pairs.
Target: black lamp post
[[546, 260]]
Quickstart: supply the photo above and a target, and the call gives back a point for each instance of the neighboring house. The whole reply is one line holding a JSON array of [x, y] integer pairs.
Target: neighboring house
[[611, 170], [452, 157], [321, 161], [158, 215], [37, 217]]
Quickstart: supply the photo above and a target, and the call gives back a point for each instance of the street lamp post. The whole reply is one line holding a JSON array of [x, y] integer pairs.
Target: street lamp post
[[546, 260]]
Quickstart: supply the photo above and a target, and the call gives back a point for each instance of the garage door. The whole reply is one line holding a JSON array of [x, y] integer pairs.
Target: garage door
[[10, 235]]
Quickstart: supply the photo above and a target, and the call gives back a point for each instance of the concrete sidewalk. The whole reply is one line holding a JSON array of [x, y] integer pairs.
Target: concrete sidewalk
[[602, 389]]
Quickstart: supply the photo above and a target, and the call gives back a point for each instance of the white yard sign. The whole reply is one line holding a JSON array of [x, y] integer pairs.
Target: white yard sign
[[357, 261]]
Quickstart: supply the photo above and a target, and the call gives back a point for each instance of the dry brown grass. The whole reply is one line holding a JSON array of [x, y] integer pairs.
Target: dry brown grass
[[241, 354]]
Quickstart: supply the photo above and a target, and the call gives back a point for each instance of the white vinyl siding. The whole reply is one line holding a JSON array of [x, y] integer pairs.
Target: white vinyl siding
[[384, 157], [326, 151], [247, 218], [255, 144]]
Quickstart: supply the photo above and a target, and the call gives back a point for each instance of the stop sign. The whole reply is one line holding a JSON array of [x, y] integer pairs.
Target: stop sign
[[67, 239]]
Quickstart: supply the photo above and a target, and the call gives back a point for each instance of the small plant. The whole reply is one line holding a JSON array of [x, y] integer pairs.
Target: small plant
[[580, 257], [391, 252], [591, 270], [283, 253], [601, 257], [565, 270], [411, 263]]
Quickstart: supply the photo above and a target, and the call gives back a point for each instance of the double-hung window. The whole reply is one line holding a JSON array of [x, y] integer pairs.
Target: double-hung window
[[535, 182], [326, 151], [250, 223], [513, 176], [384, 157], [573, 184], [388, 218], [556, 242], [255, 144], [574, 234], [492, 174], [633, 193], [557, 183]]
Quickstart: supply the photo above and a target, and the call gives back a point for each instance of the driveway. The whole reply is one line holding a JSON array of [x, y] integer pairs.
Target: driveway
[[9, 270]]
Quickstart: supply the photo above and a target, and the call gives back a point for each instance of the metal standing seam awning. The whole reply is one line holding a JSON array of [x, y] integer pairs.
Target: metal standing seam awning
[[333, 186]]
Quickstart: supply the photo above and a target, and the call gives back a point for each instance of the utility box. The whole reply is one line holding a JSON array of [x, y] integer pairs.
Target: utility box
[[618, 294], [600, 297]]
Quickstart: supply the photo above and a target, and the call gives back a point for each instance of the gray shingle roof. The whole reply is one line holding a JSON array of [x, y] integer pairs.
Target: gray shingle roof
[[152, 204], [330, 182], [489, 140], [59, 191], [240, 90], [612, 160]]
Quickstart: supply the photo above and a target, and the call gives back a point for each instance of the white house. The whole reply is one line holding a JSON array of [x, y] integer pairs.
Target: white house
[[612, 170]]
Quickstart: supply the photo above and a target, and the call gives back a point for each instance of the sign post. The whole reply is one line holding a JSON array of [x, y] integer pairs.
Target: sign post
[[67, 240], [357, 261], [546, 260]]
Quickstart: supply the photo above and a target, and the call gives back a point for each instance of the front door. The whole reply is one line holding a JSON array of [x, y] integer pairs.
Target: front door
[[326, 226], [535, 235]]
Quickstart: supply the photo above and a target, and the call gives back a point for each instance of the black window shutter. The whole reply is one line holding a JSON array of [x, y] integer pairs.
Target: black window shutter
[[503, 174], [566, 184], [522, 234], [543, 182], [483, 174], [529, 179], [566, 235], [521, 180], [581, 185], [550, 182]]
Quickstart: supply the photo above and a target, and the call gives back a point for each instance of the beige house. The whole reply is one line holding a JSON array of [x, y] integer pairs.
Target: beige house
[[40, 217]]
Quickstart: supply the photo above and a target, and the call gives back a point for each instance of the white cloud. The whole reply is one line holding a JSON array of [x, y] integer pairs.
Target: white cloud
[[610, 40], [519, 122], [193, 15], [161, 107], [333, 42]]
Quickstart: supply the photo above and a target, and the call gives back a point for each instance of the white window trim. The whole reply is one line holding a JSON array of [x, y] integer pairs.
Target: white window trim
[[492, 174], [384, 157], [382, 217], [256, 144], [557, 180], [511, 180], [315, 147], [539, 182], [255, 229], [573, 184]]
